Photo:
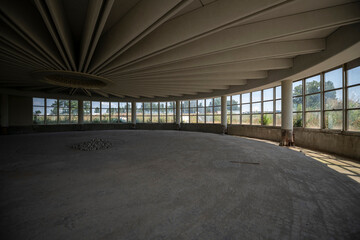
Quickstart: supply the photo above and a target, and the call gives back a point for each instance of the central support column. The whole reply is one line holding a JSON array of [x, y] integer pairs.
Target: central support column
[[4, 113], [287, 138], [133, 114], [178, 120], [223, 114], [81, 112]]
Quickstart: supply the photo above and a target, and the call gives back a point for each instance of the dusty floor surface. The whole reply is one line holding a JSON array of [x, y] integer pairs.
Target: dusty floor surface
[[170, 185]]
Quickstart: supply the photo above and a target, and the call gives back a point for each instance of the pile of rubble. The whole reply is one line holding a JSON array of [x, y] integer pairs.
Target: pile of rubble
[[93, 144]]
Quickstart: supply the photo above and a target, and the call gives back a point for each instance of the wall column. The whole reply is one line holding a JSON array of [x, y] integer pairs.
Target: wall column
[[178, 108], [81, 111], [4, 113], [133, 114], [223, 114], [287, 138]]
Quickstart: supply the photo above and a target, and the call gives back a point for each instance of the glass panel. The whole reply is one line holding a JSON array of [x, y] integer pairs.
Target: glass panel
[[256, 119], [236, 109], [209, 119], [63, 103], [268, 107], [268, 94], [209, 102], [217, 101], [193, 103], [235, 119], [268, 120], [235, 99], [201, 103], [162, 105], [170, 119], [147, 111], [184, 104], [353, 97], [105, 111], [155, 105], [64, 119], [333, 79], [333, 119], [38, 119], [217, 110], [139, 119], [209, 109], [297, 120], [162, 119], [256, 96], [193, 119], [147, 105], [170, 111], [354, 120], [297, 88], [278, 120], [139, 105], [38, 110], [51, 111], [155, 111], [155, 119], [105, 104], [201, 119], [87, 119], [228, 110], [278, 92], [312, 120], [353, 76], [312, 85], [74, 107], [217, 119], [114, 104], [278, 106], [64, 111], [245, 98], [193, 111], [185, 119], [297, 104], [122, 104], [162, 111], [51, 102], [170, 105], [245, 119], [38, 101], [86, 106], [113, 119], [147, 119], [245, 109], [74, 119], [333, 100], [256, 108], [312, 102], [96, 105], [228, 100], [51, 119], [105, 119]]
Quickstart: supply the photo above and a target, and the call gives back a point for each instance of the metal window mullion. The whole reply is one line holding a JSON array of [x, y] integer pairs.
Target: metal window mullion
[[303, 103], [251, 113], [322, 101], [58, 105], [261, 107], [240, 113], [345, 99]]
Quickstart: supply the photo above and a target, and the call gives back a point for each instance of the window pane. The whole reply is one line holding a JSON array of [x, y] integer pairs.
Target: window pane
[[297, 119], [268, 120], [51, 111], [268, 94], [268, 107], [209, 109], [333, 79], [114, 105], [245, 109], [209, 102], [74, 107], [217, 119], [297, 88], [193, 103], [209, 119], [155, 105], [217, 101], [139, 105], [312, 120], [312, 102], [63, 103], [236, 109], [95, 104], [193, 119], [235, 119], [185, 119], [201, 119], [354, 97], [51, 102], [201, 103], [256, 96], [278, 106], [51, 119], [256, 119], [38, 101], [235, 99], [245, 119], [105, 104], [38, 110], [297, 104], [354, 120], [278, 92], [217, 110], [333, 100], [193, 111], [333, 119], [278, 120], [64, 111], [38, 119], [162, 105], [201, 110], [170, 119], [256, 108], [245, 98], [64, 119], [312, 85], [353, 76], [170, 105], [228, 100]]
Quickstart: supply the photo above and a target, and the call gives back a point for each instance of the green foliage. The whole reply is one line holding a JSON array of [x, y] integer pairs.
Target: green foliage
[[297, 121], [265, 120]]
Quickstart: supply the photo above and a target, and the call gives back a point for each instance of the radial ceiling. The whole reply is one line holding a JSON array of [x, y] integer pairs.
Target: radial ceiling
[[158, 48]]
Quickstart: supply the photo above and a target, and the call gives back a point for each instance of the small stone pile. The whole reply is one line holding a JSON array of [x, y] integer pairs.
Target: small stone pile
[[93, 144]]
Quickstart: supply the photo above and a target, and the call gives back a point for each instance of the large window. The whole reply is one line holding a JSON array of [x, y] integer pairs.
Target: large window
[[353, 99], [256, 108], [155, 112], [38, 110], [201, 111], [268, 107], [278, 106], [312, 102], [333, 99], [298, 103]]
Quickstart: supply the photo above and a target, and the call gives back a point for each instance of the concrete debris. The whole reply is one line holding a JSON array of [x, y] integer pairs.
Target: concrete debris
[[93, 144]]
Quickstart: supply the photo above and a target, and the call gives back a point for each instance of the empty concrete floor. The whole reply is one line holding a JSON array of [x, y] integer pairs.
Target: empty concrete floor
[[170, 185]]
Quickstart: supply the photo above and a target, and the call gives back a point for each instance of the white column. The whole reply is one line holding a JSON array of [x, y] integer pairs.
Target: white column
[[4, 111], [178, 108], [133, 113], [81, 112], [286, 114], [223, 114]]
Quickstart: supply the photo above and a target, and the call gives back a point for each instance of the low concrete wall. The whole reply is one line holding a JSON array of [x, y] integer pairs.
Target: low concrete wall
[[212, 128], [269, 133]]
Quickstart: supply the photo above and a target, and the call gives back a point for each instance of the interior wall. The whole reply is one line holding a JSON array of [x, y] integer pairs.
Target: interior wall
[[20, 111]]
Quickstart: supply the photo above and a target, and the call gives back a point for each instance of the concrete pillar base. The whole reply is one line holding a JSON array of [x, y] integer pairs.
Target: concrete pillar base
[[287, 138], [224, 129]]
